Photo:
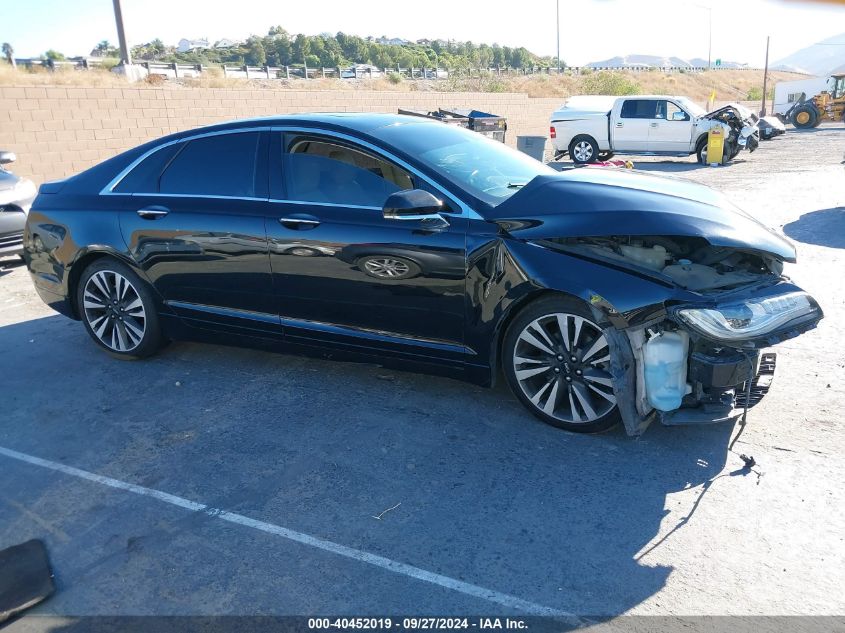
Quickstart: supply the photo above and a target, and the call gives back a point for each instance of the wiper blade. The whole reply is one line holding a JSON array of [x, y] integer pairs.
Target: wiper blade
[[516, 185]]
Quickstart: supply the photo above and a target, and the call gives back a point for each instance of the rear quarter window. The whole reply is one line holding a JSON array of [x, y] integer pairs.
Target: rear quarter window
[[220, 165], [144, 177]]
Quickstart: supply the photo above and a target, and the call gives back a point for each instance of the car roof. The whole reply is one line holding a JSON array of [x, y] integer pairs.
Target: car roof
[[356, 121]]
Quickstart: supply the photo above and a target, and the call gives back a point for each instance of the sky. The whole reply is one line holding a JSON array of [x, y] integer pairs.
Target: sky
[[590, 30]]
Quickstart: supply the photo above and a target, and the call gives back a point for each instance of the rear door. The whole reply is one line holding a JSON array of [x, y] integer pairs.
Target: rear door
[[344, 274], [194, 222], [631, 129], [671, 131]]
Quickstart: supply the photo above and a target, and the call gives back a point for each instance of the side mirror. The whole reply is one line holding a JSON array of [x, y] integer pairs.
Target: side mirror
[[7, 157], [412, 204], [679, 116]]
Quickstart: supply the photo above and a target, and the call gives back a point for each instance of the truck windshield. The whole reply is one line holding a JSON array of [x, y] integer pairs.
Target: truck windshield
[[487, 169], [693, 108]]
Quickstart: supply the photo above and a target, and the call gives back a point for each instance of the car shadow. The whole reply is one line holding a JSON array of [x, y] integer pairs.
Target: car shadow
[[825, 227], [488, 494]]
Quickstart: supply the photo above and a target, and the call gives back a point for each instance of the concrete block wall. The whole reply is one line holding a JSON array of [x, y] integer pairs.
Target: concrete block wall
[[59, 131]]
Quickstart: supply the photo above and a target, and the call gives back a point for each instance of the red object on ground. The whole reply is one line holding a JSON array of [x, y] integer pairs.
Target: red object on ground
[[612, 163]]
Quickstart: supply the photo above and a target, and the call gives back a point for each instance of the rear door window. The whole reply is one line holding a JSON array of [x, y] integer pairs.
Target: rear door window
[[219, 165], [639, 109]]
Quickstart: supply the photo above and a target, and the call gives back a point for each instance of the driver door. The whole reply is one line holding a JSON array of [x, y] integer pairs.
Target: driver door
[[671, 130], [345, 275]]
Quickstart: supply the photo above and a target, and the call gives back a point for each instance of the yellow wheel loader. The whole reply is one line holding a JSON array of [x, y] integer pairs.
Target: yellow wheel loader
[[825, 106]]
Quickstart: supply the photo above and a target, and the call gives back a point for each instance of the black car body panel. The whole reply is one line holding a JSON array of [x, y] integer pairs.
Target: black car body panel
[[593, 202], [271, 271]]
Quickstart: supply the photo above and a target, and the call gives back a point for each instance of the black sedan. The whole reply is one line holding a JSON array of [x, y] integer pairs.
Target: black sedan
[[602, 295]]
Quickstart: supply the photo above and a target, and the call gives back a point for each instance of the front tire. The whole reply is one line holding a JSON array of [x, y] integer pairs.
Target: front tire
[[118, 310], [805, 117], [557, 362], [583, 150], [701, 151]]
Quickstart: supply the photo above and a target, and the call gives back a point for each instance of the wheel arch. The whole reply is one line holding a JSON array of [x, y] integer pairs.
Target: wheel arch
[[85, 258]]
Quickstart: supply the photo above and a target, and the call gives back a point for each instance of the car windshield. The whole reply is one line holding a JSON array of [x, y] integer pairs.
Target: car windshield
[[693, 108], [488, 169]]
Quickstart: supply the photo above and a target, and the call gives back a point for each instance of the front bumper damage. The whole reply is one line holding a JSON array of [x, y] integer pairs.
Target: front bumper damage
[[722, 380], [724, 396]]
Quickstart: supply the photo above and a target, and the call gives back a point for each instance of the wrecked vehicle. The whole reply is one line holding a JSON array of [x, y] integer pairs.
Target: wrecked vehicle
[[595, 128], [603, 295]]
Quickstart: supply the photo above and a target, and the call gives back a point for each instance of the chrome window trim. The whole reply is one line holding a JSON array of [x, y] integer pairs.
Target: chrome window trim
[[465, 209], [108, 189], [188, 195], [325, 204]]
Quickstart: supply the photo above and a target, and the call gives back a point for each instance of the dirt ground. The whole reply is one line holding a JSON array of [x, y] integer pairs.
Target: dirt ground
[[478, 491]]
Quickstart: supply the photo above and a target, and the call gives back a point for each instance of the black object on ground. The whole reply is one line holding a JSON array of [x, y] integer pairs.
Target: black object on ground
[[25, 577]]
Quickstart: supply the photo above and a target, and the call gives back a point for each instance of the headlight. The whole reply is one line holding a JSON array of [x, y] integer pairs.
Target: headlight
[[749, 319]]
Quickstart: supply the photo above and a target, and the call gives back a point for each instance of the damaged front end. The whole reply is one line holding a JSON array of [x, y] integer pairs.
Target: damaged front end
[[697, 357], [740, 125], [690, 290]]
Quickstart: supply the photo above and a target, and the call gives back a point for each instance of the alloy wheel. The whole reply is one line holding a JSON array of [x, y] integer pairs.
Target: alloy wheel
[[562, 364], [386, 267], [583, 151], [114, 311]]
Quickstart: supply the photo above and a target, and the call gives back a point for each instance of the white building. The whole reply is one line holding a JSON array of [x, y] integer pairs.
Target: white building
[[186, 45]]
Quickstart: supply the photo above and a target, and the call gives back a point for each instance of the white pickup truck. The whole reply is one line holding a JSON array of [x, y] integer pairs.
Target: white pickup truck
[[592, 128]]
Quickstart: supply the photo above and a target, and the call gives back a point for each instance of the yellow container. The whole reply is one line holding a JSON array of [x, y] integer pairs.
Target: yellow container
[[716, 146]]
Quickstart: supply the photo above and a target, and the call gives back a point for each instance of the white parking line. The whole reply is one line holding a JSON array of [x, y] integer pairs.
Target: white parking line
[[397, 567]]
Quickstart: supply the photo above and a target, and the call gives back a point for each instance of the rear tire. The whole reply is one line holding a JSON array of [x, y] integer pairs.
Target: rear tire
[[583, 149], [537, 357], [118, 310]]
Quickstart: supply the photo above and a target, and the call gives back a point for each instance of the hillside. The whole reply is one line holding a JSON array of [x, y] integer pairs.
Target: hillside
[[657, 61], [730, 85], [819, 59]]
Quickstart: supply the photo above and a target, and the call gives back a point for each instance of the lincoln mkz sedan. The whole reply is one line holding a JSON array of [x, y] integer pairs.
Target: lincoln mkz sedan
[[601, 295]]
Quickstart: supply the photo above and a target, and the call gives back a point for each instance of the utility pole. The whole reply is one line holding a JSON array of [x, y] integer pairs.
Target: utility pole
[[125, 58], [710, 37], [558, 36], [765, 77], [709, 33]]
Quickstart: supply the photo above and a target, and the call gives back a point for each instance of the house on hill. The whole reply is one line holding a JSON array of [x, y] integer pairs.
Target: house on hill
[[186, 45]]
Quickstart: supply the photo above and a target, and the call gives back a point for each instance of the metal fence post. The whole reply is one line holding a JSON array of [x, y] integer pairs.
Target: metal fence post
[[287, 72], [246, 70]]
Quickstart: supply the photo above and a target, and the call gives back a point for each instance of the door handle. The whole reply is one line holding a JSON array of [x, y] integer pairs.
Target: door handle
[[654, 125], [300, 223], [153, 213], [619, 124]]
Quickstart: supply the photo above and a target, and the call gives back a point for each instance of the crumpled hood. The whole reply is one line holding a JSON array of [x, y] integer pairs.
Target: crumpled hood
[[594, 202]]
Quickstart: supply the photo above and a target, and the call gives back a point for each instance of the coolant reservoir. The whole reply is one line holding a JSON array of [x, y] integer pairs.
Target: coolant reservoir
[[654, 257], [665, 357], [693, 276]]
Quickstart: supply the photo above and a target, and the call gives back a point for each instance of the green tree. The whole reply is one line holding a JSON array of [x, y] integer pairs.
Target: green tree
[[9, 53], [54, 56], [255, 54]]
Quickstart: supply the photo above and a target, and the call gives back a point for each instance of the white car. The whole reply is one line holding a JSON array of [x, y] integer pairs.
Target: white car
[[595, 128]]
